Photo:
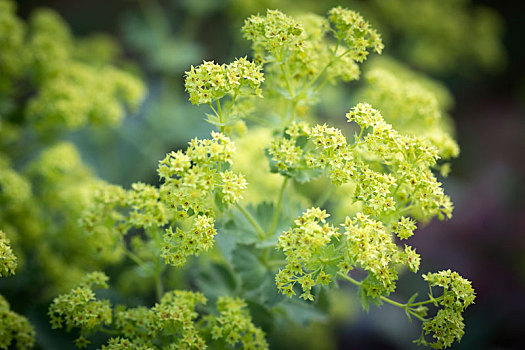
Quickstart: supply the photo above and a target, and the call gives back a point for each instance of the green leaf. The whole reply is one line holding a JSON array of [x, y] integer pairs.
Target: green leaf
[[303, 175], [363, 298], [261, 315], [412, 298], [300, 311], [251, 270], [218, 199], [215, 281]]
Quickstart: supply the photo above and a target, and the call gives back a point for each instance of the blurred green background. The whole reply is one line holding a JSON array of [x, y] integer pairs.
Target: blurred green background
[[475, 48]]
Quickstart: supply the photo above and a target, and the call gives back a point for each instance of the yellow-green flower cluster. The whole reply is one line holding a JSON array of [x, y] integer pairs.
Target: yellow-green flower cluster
[[80, 308], [443, 36], [119, 343], [302, 245], [102, 215], [298, 51], [15, 189], [404, 228], [272, 32], [62, 188], [391, 171], [69, 92], [80, 95], [357, 34], [410, 104], [315, 249], [285, 153], [209, 81], [12, 58], [174, 317], [194, 183], [234, 325], [8, 261], [15, 330], [180, 244], [369, 245], [333, 153], [410, 186], [233, 185], [146, 208], [447, 325], [191, 181], [50, 42]]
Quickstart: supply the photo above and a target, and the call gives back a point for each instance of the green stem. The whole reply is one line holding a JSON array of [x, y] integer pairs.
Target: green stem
[[294, 109], [213, 109], [330, 62], [278, 207], [232, 103], [159, 268], [285, 74], [349, 279], [426, 301], [159, 287], [252, 221], [135, 258], [219, 114], [390, 301], [109, 331], [358, 138]]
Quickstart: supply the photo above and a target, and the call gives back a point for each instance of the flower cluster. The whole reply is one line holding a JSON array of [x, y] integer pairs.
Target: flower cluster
[[80, 309], [404, 228], [15, 330], [70, 92], [369, 245], [411, 105], [174, 321], [299, 53], [146, 208], [447, 325], [118, 343], [333, 153], [209, 81], [195, 182], [272, 32], [357, 34], [80, 95], [314, 249], [15, 189], [452, 36], [179, 244], [174, 316], [8, 261], [234, 325], [285, 153], [192, 190], [302, 245], [12, 43], [410, 186]]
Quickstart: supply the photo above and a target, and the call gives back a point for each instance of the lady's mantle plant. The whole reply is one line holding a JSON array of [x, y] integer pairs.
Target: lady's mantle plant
[[234, 265]]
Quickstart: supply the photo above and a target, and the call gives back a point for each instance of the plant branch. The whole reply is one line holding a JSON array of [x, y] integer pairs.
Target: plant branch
[[278, 207], [252, 221]]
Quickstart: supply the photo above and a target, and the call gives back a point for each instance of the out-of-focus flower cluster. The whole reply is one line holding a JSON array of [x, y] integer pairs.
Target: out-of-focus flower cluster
[[447, 325], [195, 182]]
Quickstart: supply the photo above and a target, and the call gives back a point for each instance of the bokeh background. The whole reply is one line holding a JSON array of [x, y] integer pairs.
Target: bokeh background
[[474, 47]]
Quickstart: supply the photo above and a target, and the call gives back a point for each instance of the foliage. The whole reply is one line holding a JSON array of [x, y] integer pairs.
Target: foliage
[[216, 252]]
